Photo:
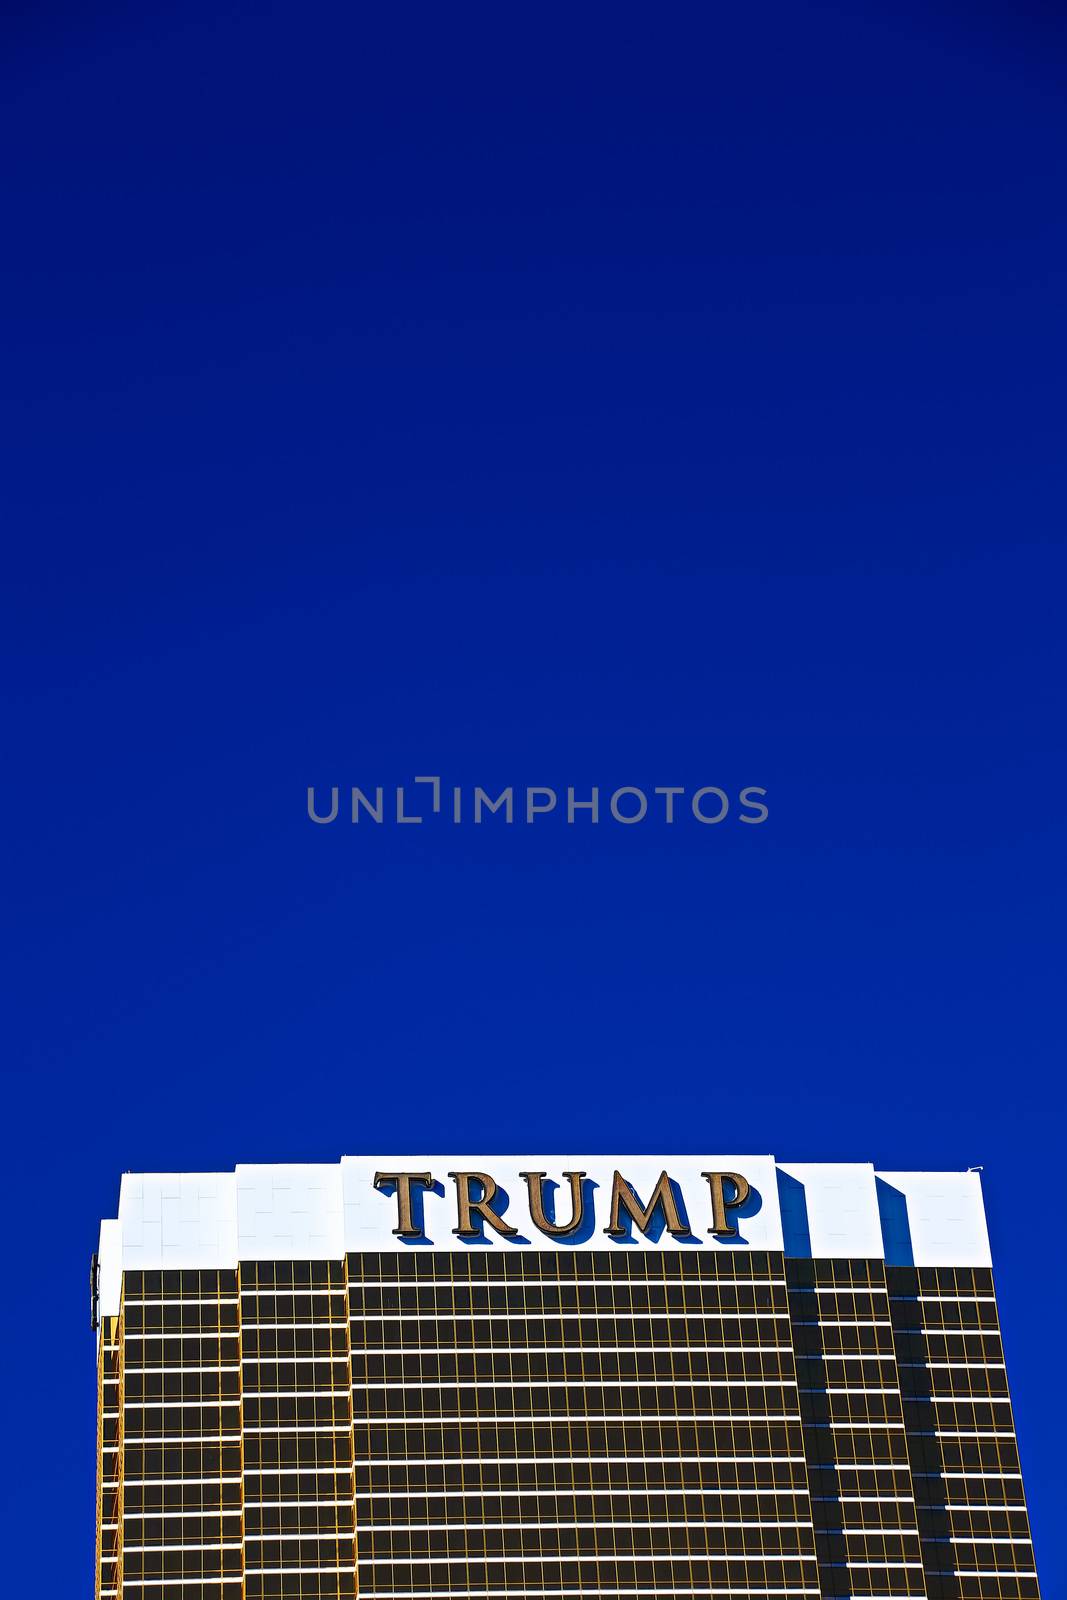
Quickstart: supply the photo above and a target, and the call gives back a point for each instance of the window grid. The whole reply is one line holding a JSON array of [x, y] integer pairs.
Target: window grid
[[975, 1531], [853, 1418], [580, 1454], [615, 1422]]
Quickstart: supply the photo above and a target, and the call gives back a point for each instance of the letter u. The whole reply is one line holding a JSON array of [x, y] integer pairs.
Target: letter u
[[311, 806], [535, 1184]]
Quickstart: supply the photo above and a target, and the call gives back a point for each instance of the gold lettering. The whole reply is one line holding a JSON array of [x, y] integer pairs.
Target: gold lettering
[[624, 1198], [403, 1182], [717, 1181], [468, 1206], [556, 1230]]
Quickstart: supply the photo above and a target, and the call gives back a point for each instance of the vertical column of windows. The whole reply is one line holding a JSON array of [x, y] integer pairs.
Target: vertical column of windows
[[109, 1460], [961, 1436], [862, 1498], [297, 1424], [181, 1495]]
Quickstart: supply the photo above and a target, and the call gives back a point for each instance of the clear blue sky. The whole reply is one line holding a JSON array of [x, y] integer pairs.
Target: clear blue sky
[[581, 395]]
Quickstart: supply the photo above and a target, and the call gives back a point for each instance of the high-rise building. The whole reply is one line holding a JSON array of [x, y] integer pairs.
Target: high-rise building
[[541, 1377]]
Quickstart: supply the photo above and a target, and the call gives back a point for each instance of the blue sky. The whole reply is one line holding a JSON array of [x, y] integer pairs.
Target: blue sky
[[570, 398]]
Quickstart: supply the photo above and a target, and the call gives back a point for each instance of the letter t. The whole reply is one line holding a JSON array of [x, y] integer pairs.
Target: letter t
[[403, 1182]]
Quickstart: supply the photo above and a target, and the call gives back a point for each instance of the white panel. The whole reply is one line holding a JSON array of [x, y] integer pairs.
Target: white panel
[[946, 1224], [109, 1258], [178, 1219], [840, 1203], [371, 1215], [289, 1213]]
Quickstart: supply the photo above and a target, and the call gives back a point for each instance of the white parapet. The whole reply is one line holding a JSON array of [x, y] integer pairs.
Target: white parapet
[[837, 1203], [320, 1212], [945, 1214]]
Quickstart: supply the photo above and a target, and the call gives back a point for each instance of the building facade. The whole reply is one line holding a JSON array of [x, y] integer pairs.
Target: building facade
[[418, 1376]]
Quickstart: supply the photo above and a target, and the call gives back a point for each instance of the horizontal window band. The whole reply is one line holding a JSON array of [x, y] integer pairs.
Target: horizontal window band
[[844, 1322], [216, 1404], [1015, 1476], [978, 1538], [298, 1505], [257, 1290], [546, 1418], [522, 1560], [185, 1583], [846, 1355], [167, 1513], [512, 1461], [340, 1429], [956, 1433], [956, 1366], [525, 1527], [340, 1470], [562, 1594], [525, 1314], [151, 1372], [925, 1331], [325, 1359], [236, 1367], [944, 1299], [164, 1549], [558, 1350], [934, 1336], [463, 1285], [130, 1304], [863, 1499], [867, 1426], [568, 1460], [156, 1442], [167, 1483], [865, 1530], [961, 1399], [671, 1381], [248, 1329], [483, 1388], [991, 1507], [484, 1420], [816, 1389], [984, 1572], [255, 1396], [286, 1291], [542, 1492], [236, 1400], [214, 1335], [838, 1288], [871, 1566]]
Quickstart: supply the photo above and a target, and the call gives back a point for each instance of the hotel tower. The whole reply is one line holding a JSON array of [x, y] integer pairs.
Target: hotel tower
[[412, 1376]]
